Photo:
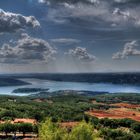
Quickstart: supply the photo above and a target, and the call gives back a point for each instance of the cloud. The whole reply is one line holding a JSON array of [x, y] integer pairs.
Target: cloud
[[121, 1], [42, 1], [11, 22], [65, 41], [27, 50], [81, 54], [131, 17], [69, 1], [76, 11], [89, 1], [125, 14], [127, 1], [128, 50], [96, 13]]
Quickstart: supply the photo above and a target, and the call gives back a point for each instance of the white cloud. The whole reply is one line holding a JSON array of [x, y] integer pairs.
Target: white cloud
[[11, 22], [131, 17], [128, 50], [121, 1], [41, 1], [81, 54], [27, 50]]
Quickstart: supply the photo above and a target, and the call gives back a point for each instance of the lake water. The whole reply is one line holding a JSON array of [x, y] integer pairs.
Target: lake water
[[59, 85]]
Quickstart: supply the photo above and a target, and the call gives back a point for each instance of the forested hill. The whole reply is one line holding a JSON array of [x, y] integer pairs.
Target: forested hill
[[120, 78], [115, 78], [11, 82]]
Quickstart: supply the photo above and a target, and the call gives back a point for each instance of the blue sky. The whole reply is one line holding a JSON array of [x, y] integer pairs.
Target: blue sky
[[69, 36]]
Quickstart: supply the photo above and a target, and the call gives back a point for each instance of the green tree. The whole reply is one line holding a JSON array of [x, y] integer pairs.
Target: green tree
[[136, 127], [50, 131], [8, 113], [83, 131], [25, 128], [113, 134], [7, 128]]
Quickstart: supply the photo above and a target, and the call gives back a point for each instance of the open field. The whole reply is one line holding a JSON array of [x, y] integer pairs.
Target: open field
[[68, 124], [20, 120], [116, 113], [126, 105], [118, 110]]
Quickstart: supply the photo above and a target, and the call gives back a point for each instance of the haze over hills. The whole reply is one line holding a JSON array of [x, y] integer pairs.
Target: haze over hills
[[115, 78]]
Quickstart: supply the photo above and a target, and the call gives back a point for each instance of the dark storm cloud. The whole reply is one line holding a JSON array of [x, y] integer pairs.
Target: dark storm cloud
[[11, 22], [81, 54], [128, 50], [27, 50]]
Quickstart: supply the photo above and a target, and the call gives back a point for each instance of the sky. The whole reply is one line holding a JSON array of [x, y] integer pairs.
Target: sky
[[69, 36]]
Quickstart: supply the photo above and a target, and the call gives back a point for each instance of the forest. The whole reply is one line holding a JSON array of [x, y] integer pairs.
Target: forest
[[67, 108]]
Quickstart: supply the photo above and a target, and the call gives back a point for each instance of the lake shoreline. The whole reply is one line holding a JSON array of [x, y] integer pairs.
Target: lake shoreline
[[55, 86]]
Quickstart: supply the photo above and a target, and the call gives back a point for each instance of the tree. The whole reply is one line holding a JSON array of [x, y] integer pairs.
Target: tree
[[8, 128], [35, 128], [113, 134], [136, 127], [25, 127], [8, 113], [37, 115], [83, 131], [50, 131]]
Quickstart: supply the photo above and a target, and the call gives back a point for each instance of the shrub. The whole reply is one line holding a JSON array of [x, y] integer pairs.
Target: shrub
[[51, 131], [83, 131]]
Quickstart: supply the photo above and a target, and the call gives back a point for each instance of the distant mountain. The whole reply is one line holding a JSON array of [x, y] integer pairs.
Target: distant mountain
[[114, 78]]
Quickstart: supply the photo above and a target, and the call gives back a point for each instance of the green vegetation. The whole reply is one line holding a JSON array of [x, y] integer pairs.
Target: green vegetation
[[24, 128], [86, 131], [114, 124], [83, 131], [53, 131], [119, 97], [116, 134], [59, 107], [65, 108]]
